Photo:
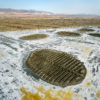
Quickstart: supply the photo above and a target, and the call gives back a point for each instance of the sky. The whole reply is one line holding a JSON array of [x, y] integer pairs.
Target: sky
[[55, 6]]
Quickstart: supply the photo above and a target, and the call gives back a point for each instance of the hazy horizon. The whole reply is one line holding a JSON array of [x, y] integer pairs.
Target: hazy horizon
[[91, 7]]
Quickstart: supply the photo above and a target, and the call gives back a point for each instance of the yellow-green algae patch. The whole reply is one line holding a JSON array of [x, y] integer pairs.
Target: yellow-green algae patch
[[49, 94], [34, 37], [64, 33]]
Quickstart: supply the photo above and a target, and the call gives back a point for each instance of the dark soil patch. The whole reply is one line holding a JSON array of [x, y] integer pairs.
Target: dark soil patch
[[94, 34], [34, 37], [56, 67], [86, 30], [64, 33]]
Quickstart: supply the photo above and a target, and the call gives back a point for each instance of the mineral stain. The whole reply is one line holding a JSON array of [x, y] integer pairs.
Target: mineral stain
[[88, 84], [1, 54], [98, 94], [49, 94]]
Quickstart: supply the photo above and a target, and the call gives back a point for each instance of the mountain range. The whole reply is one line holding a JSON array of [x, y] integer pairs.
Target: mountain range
[[8, 12]]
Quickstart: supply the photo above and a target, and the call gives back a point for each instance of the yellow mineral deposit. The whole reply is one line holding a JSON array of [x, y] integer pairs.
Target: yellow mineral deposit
[[85, 50], [98, 94], [1, 54], [88, 84], [49, 94]]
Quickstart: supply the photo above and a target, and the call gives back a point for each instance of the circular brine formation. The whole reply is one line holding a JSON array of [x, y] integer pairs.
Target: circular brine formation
[[56, 67], [34, 37], [64, 33], [94, 34]]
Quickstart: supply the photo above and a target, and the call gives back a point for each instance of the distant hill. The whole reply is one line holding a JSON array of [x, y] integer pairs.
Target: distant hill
[[8, 12], [23, 13]]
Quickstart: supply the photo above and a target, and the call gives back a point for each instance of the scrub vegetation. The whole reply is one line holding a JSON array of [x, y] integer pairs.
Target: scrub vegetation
[[13, 24]]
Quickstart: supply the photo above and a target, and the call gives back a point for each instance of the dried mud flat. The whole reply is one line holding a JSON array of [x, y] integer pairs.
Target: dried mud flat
[[14, 52]]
